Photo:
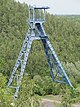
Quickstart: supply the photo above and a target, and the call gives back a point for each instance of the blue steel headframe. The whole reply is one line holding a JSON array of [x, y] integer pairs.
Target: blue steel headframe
[[40, 11], [56, 70], [36, 32]]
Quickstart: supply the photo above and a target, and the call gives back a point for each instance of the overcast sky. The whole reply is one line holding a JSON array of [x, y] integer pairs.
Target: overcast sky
[[57, 6]]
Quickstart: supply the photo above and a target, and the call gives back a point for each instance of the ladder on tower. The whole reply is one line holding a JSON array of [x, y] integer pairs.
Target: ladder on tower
[[36, 32]]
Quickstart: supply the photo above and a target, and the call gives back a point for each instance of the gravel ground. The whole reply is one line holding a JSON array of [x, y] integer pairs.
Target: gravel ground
[[47, 104], [51, 103]]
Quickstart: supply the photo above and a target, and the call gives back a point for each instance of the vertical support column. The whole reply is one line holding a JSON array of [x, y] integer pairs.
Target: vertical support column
[[44, 15], [40, 15], [29, 13], [33, 15], [33, 18]]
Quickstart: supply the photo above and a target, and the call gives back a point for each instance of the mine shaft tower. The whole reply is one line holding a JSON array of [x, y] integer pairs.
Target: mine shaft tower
[[36, 32]]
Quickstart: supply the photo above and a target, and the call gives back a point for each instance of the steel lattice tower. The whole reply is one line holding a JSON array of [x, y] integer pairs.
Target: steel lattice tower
[[36, 32]]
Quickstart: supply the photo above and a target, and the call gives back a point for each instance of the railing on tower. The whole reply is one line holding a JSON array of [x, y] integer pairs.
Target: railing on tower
[[37, 13]]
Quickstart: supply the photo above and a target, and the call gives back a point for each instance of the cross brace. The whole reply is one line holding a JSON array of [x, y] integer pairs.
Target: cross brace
[[36, 32]]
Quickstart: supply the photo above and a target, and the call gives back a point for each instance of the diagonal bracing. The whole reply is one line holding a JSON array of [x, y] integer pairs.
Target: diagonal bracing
[[36, 32]]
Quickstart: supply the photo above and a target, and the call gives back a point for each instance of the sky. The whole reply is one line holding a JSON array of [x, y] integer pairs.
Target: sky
[[58, 7]]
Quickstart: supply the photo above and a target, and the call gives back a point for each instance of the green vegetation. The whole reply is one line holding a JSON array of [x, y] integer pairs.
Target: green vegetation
[[64, 34]]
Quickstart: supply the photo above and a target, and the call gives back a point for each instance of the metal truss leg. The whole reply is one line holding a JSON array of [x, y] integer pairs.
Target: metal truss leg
[[56, 70], [20, 65], [23, 65], [19, 58]]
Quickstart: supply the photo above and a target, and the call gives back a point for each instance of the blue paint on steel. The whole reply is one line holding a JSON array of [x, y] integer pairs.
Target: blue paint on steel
[[36, 32]]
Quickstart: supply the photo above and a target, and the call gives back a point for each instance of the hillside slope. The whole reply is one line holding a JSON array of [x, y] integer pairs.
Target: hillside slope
[[64, 34], [63, 31]]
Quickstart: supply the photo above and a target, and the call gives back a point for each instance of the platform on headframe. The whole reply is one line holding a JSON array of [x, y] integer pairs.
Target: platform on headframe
[[36, 32]]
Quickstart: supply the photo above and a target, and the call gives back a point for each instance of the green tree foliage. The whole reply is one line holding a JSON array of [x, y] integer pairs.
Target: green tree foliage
[[27, 97], [70, 96], [64, 34], [5, 99]]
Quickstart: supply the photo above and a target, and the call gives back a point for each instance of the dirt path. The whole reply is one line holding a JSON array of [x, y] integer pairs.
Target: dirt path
[[52, 103], [49, 103], [76, 105]]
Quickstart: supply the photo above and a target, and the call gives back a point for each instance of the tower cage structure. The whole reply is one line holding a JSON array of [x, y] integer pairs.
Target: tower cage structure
[[36, 32]]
